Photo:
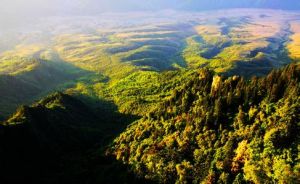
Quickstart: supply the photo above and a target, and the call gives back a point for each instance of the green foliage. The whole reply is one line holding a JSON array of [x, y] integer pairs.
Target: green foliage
[[142, 91], [195, 127], [239, 45], [219, 130]]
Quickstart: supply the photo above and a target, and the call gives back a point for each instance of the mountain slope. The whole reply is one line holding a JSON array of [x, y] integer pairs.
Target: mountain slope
[[211, 129], [14, 92], [35, 138], [61, 140], [220, 130], [57, 122], [26, 86]]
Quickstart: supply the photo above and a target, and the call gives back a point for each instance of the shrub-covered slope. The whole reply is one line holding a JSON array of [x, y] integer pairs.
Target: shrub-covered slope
[[220, 130]]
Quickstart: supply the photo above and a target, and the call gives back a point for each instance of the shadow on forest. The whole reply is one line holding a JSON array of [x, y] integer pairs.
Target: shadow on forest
[[27, 154], [29, 86]]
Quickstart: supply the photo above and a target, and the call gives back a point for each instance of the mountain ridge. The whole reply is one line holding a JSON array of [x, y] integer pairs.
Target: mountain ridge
[[219, 130], [61, 128]]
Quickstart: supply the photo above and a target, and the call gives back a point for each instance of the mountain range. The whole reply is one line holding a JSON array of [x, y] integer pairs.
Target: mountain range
[[151, 96]]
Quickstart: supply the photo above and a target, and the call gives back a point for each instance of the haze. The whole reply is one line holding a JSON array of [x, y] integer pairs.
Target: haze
[[53, 7], [20, 12]]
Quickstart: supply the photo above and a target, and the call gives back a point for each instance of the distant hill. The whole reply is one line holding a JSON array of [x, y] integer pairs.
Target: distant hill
[[95, 58]]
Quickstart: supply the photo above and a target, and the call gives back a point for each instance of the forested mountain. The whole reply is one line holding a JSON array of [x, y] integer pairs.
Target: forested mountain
[[220, 130], [211, 129], [92, 93]]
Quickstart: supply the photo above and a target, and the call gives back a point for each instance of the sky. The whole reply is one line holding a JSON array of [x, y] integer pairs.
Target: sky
[[29, 7], [14, 12]]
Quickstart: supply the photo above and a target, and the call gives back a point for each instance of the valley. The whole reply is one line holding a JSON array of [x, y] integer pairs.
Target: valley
[[168, 97], [251, 42]]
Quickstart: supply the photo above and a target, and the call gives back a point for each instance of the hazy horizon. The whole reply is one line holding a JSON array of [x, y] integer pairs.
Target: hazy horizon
[[149, 91], [18, 12], [20, 8]]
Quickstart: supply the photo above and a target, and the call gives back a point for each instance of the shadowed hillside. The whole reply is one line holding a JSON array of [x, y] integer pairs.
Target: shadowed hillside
[[45, 142], [32, 79]]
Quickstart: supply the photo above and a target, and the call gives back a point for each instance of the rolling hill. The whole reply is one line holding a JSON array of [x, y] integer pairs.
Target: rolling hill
[[92, 57], [153, 97]]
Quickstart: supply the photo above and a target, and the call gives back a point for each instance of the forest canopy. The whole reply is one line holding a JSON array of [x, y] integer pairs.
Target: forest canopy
[[220, 130]]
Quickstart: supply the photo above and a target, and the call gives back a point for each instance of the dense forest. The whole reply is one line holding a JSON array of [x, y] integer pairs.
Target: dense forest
[[220, 130], [210, 129]]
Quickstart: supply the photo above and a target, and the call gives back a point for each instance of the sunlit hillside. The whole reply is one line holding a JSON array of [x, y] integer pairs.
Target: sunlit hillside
[[199, 39], [146, 96], [247, 42]]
